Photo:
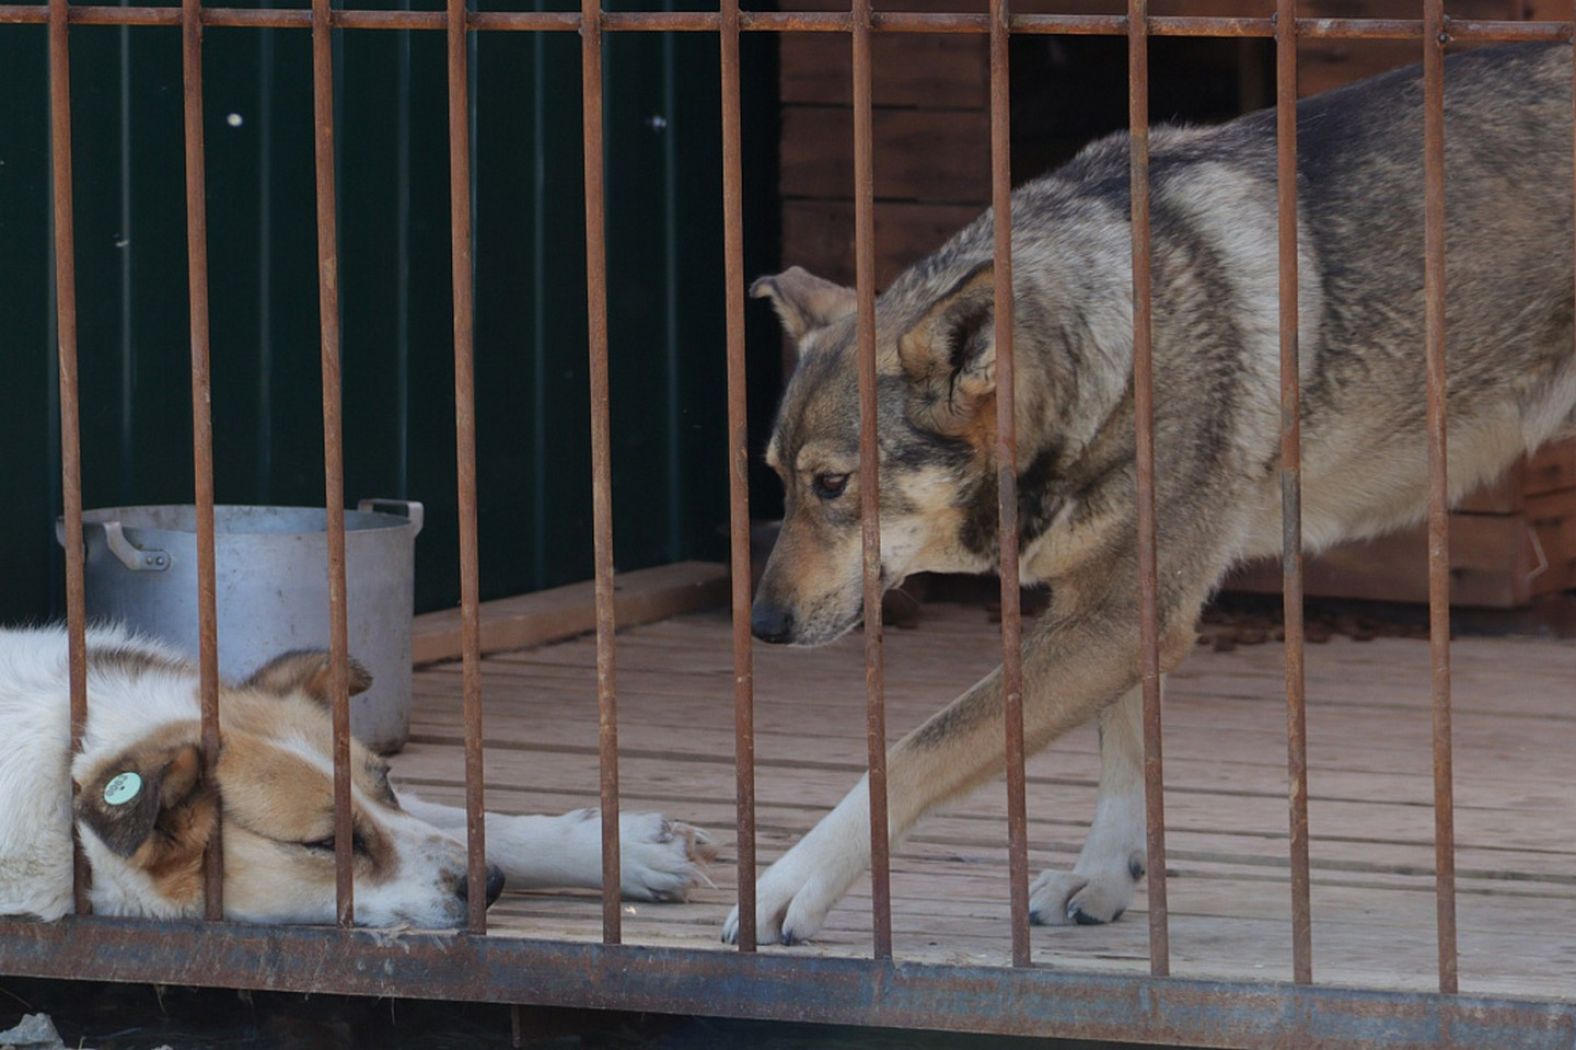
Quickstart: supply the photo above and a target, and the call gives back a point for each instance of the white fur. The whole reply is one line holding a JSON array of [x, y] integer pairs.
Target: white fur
[[661, 859]]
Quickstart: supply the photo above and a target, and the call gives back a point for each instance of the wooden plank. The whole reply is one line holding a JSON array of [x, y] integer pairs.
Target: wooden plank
[[563, 612], [929, 155], [1551, 469], [818, 235], [928, 71], [1492, 559], [1369, 794]]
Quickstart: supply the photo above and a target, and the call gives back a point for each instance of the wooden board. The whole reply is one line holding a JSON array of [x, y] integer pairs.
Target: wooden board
[[1370, 792], [819, 235], [920, 155], [1492, 563], [563, 612], [951, 71]]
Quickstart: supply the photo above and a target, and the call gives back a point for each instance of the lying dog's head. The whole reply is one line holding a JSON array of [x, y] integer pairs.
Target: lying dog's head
[[147, 811], [935, 346]]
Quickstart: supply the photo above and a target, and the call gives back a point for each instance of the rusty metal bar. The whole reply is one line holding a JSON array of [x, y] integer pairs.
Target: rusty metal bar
[[202, 433], [465, 460], [70, 415], [1043, 1001], [738, 472], [601, 456], [870, 482], [1007, 483], [1465, 30], [1144, 421], [333, 454], [1291, 486], [1434, 41]]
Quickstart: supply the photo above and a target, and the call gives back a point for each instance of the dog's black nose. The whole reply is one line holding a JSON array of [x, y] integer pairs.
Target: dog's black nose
[[462, 886], [771, 624]]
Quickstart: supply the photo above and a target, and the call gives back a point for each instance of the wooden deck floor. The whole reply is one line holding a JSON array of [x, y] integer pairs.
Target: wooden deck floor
[[1371, 793]]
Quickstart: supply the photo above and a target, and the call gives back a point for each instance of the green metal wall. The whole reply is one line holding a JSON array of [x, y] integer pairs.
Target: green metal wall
[[665, 289]]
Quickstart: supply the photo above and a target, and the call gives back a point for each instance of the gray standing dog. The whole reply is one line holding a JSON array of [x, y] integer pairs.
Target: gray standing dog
[[1512, 386]]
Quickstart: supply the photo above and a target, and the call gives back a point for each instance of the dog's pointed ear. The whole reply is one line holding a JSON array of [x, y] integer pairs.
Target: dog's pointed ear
[[950, 353], [156, 785], [308, 672], [803, 301]]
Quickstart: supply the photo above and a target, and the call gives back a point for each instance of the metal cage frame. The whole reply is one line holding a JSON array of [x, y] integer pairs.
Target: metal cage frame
[[1020, 998]]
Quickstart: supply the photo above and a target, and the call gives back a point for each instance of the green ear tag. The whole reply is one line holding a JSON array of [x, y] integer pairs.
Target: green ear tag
[[122, 789]]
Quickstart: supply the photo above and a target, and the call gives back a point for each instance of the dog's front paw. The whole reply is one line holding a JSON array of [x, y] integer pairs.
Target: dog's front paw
[[794, 896], [661, 859], [1062, 898]]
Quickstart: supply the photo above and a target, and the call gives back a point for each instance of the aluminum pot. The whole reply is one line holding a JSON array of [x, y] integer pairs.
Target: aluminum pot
[[272, 574]]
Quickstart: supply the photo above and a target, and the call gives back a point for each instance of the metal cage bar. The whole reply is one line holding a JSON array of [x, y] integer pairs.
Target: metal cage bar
[[465, 460], [870, 481], [1291, 486], [202, 433], [1007, 485], [1434, 40], [46, 950], [601, 456], [65, 247], [738, 473], [1144, 421], [333, 455]]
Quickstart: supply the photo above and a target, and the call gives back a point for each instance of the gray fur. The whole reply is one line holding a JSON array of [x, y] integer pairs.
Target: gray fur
[[1512, 386]]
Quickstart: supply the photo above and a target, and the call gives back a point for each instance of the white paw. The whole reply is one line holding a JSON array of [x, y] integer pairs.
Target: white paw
[[1061, 898], [661, 859], [794, 896]]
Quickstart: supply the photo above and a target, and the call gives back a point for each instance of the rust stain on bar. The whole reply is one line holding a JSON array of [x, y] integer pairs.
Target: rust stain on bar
[[1144, 416], [870, 482], [333, 453], [738, 472], [465, 460], [202, 433], [1434, 40], [601, 456], [1291, 486], [61, 173], [1007, 483]]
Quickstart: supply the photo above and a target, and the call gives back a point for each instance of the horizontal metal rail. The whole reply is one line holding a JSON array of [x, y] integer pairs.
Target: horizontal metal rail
[[1458, 30], [468, 968]]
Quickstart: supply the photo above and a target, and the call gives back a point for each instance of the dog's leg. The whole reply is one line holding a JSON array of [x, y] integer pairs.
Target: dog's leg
[[1101, 884], [659, 859], [1077, 662]]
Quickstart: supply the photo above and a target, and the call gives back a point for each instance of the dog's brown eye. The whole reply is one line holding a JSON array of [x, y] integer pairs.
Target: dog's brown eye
[[830, 486], [357, 844]]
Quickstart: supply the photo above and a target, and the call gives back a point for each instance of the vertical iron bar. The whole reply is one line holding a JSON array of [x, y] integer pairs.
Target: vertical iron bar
[[1434, 40], [465, 458], [202, 432], [601, 456], [1144, 413], [738, 472], [1291, 485], [870, 481], [333, 452], [1007, 482], [70, 415]]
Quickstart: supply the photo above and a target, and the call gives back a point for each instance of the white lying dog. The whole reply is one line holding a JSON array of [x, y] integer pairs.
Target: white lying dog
[[145, 811]]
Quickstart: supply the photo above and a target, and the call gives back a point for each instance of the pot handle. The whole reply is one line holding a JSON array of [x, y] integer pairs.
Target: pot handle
[[135, 558], [405, 508]]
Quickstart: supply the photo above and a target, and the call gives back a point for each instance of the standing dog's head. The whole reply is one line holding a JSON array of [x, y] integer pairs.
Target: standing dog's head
[[936, 389], [147, 810]]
